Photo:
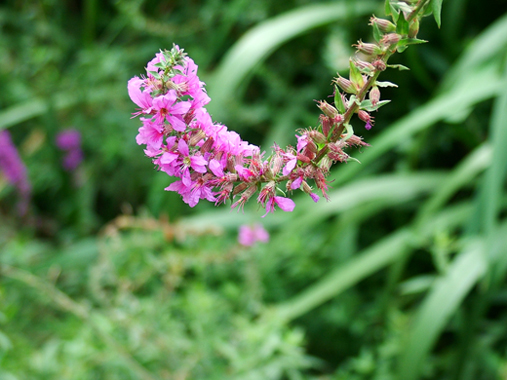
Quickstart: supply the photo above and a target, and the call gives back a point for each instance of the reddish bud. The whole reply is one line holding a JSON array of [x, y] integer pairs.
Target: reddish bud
[[390, 39], [327, 108], [379, 64], [345, 84], [316, 136], [368, 49], [374, 95], [385, 26]]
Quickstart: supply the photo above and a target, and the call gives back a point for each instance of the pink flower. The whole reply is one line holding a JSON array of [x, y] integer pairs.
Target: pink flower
[[249, 235], [141, 98], [151, 134], [168, 109], [285, 204]]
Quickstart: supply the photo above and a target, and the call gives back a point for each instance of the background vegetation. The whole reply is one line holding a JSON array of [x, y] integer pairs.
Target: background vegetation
[[400, 276]]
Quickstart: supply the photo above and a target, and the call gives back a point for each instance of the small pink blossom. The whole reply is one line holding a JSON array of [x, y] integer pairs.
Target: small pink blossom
[[285, 204]]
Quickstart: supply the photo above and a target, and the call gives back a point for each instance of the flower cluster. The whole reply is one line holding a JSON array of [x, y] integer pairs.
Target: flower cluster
[[14, 170], [213, 163]]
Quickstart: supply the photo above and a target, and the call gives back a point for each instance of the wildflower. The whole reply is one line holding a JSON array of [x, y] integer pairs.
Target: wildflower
[[249, 235], [14, 170], [285, 204]]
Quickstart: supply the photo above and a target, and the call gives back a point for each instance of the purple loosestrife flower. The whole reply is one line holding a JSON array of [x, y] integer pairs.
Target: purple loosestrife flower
[[249, 235], [14, 170], [69, 141]]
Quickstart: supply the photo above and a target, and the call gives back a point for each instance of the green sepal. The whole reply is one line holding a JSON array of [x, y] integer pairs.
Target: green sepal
[[350, 131], [399, 67], [402, 26], [377, 34], [385, 84], [367, 106], [338, 101], [436, 6], [355, 75]]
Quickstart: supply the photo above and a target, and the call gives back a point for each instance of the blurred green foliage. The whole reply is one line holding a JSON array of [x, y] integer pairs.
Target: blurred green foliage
[[400, 276]]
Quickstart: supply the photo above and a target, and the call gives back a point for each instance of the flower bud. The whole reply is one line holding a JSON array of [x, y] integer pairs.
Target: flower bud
[[208, 145], [364, 66], [345, 84], [390, 39], [240, 187], [374, 95], [379, 64], [316, 136], [364, 116], [327, 108], [413, 29], [196, 137], [368, 49], [384, 26]]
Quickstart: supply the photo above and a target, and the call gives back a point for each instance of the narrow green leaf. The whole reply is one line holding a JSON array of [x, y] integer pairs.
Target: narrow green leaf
[[399, 67], [436, 6], [402, 25], [444, 298], [367, 106], [385, 84], [387, 8], [377, 34], [338, 100], [355, 75]]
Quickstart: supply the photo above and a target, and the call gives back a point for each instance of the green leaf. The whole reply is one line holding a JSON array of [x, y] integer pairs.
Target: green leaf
[[436, 6], [377, 34], [411, 41], [367, 106], [441, 303], [385, 84], [355, 75], [338, 100], [387, 8], [402, 26], [399, 67]]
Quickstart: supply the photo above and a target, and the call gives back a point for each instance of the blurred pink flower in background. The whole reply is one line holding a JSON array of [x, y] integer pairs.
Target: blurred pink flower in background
[[249, 235], [14, 170], [69, 141]]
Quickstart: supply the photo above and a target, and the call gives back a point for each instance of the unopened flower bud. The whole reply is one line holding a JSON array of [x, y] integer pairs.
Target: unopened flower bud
[[413, 29], [390, 39], [327, 108], [364, 66], [326, 123], [374, 95], [368, 49], [379, 64], [311, 146], [364, 116], [208, 145], [239, 188], [303, 158], [384, 26], [316, 136], [345, 84], [277, 164], [196, 137]]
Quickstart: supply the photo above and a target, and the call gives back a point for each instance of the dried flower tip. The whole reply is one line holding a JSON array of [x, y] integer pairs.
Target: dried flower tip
[[374, 95], [357, 141], [345, 84], [368, 49], [385, 26], [327, 108]]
